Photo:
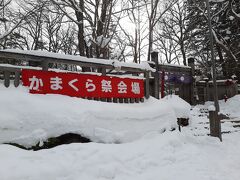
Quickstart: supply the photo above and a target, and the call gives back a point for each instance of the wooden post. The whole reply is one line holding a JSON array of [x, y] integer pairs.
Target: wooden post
[[162, 84], [103, 99], [109, 100], [207, 89], [115, 100], [215, 124], [6, 78], [103, 71], [44, 65], [96, 99], [17, 79], [147, 85], [132, 100], [193, 86], [137, 100], [213, 59], [154, 58], [121, 100]]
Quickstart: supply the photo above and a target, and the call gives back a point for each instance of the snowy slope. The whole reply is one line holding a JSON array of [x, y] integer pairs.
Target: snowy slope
[[147, 154], [169, 156], [128, 139], [115, 63], [232, 106], [180, 107], [29, 118]]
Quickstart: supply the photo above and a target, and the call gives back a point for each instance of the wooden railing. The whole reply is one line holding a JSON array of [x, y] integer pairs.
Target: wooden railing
[[7, 72], [12, 72]]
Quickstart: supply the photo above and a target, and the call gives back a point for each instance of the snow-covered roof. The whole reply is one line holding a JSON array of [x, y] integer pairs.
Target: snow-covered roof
[[189, 154], [176, 65], [170, 65], [99, 121], [57, 56], [14, 68]]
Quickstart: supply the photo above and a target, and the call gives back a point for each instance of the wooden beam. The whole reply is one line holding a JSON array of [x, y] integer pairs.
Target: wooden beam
[[175, 68], [6, 78], [17, 79], [147, 85], [154, 58], [28, 57], [215, 124], [44, 65], [11, 69]]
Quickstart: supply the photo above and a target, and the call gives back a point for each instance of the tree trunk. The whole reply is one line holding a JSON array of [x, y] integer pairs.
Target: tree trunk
[[150, 41], [221, 59], [183, 54], [81, 41], [100, 28], [135, 57]]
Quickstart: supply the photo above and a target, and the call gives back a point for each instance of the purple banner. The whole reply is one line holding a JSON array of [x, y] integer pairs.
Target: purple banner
[[176, 78]]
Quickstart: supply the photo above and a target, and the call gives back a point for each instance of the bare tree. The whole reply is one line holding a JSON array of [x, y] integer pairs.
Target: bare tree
[[70, 7], [133, 37], [175, 27], [10, 20], [154, 13], [235, 8], [225, 21], [168, 48], [96, 24], [53, 23]]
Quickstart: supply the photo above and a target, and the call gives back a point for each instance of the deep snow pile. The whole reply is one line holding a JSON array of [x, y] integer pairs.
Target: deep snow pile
[[180, 107], [231, 107], [27, 119], [167, 156], [188, 155]]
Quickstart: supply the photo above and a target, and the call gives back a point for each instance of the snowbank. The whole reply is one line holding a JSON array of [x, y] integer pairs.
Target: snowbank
[[115, 63], [29, 118], [168, 156], [188, 155], [181, 107], [231, 107]]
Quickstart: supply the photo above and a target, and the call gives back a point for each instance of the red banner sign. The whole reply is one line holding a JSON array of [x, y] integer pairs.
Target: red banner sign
[[82, 85]]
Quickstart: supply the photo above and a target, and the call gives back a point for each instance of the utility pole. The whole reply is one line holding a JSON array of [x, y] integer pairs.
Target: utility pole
[[5, 23], [139, 33], [215, 123]]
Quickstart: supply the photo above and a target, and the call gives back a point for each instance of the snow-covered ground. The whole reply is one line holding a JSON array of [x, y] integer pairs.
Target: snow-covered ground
[[145, 153], [169, 156], [27, 118]]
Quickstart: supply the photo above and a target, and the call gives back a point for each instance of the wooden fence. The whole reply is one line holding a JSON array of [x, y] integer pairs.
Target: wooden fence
[[159, 85], [12, 72], [174, 85], [226, 89]]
